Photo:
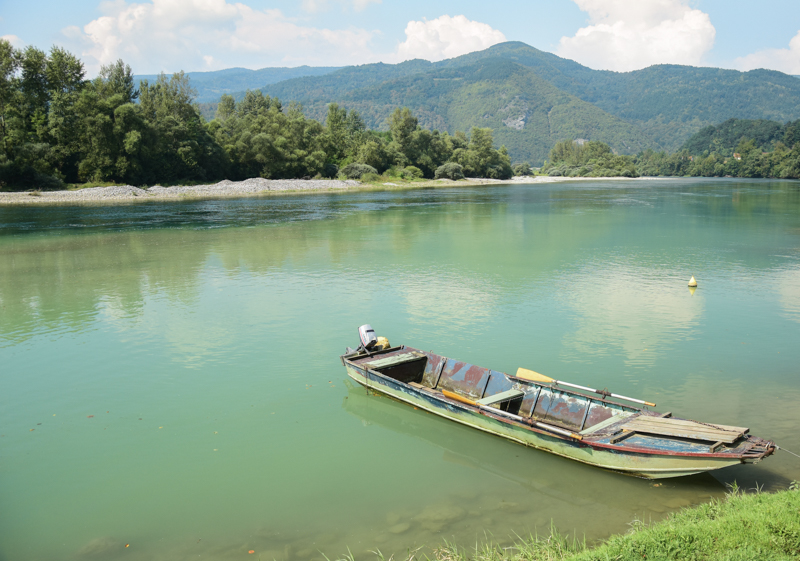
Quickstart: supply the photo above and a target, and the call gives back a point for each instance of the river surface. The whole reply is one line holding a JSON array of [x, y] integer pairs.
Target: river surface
[[170, 384]]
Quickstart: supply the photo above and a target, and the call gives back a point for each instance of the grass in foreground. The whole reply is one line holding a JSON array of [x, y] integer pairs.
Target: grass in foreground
[[757, 526]]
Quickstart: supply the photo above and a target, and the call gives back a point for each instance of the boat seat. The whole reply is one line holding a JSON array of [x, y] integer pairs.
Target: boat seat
[[394, 360], [507, 395]]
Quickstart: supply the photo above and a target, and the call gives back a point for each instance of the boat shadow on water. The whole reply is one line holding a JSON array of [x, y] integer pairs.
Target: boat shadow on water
[[536, 472]]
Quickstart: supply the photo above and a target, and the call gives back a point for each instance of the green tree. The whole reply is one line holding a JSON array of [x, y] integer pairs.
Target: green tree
[[402, 125], [9, 64], [226, 108], [64, 72], [185, 149], [336, 133], [115, 141], [117, 79]]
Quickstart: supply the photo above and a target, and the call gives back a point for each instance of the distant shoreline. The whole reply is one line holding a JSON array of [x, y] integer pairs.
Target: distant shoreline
[[254, 188]]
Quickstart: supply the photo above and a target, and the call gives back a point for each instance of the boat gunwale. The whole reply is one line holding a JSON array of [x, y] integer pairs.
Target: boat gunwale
[[513, 378]]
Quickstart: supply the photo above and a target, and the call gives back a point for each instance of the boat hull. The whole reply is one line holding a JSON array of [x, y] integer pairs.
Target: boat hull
[[646, 465]]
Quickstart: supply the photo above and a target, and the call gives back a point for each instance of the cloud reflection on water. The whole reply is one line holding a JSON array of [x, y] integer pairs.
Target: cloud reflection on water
[[788, 287], [621, 308]]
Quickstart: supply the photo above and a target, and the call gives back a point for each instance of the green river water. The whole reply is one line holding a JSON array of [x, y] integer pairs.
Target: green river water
[[170, 375]]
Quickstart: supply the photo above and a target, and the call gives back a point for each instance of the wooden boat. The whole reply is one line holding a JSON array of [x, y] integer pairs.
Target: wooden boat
[[550, 415]]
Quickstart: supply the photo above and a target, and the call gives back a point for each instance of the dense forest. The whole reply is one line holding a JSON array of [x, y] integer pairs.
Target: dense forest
[[58, 127], [588, 159], [734, 148]]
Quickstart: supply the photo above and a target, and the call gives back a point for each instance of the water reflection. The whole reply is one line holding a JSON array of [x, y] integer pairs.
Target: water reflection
[[637, 312], [209, 333], [446, 300], [788, 282]]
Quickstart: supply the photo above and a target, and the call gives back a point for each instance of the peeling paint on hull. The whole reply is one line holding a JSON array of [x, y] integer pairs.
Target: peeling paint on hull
[[640, 464]]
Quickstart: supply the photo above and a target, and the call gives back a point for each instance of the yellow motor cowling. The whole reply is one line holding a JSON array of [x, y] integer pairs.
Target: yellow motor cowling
[[382, 344]]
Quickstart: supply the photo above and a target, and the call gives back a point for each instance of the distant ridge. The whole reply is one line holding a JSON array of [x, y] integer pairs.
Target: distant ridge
[[212, 85], [531, 98]]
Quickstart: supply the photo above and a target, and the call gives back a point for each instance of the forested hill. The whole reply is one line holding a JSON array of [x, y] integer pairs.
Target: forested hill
[[725, 138], [527, 113], [666, 101], [210, 86], [660, 107]]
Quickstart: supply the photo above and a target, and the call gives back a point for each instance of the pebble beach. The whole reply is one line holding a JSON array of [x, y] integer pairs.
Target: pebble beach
[[129, 193], [247, 188]]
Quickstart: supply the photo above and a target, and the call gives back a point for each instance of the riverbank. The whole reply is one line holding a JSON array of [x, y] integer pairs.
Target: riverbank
[[248, 188], [741, 526]]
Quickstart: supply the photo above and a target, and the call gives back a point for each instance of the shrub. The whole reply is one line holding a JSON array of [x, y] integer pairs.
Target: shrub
[[370, 177], [412, 172], [499, 171], [522, 169], [450, 170], [329, 170], [16, 175], [356, 171]]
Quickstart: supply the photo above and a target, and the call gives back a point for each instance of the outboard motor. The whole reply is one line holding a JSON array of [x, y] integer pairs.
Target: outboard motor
[[367, 336]]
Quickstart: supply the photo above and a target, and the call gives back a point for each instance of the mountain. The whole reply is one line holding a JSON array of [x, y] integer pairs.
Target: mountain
[[211, 86], [531, 98], [527, 113], [668, 102]]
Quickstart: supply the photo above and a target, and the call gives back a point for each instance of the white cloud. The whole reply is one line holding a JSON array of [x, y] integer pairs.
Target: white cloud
[[785, 60], [359, 5], [15, 41], [314, 6], [631, 34], [446, 37], [171, 35]]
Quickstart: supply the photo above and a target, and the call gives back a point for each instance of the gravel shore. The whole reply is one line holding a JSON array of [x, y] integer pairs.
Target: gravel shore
[[224, 188], [246, 188]]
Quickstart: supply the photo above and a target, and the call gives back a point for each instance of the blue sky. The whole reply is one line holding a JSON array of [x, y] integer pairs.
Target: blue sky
[[192, 35]]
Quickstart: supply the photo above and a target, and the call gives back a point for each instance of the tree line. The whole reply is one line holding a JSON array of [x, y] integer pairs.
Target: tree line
[[746, 149], [748, 160], [58, 127], [735, 148]]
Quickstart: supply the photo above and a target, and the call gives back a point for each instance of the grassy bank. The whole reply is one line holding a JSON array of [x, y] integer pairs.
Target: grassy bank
[[754, 526]]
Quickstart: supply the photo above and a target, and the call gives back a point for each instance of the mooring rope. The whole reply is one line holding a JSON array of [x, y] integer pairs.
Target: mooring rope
[[785, 450]]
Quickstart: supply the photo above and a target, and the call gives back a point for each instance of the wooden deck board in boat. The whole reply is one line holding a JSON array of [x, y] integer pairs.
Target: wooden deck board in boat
[[394, 360], [684, 429], [685, 422]]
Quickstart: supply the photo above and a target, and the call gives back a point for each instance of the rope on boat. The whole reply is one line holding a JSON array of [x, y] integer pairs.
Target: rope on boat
[[785, 450]]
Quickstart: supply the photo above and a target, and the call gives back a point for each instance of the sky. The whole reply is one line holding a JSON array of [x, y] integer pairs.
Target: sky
[[200, 35]]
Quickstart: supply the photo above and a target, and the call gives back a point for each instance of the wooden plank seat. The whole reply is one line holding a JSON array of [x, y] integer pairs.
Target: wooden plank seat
[[507, 395], [685, 429], [394, 360]]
